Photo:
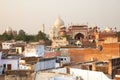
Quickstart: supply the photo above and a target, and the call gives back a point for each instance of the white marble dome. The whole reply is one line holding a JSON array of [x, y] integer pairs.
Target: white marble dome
[[107, 29], [9, 29], [59, 22]]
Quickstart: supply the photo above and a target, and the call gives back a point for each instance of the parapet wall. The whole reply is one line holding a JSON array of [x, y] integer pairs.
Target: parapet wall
[[109, 51]]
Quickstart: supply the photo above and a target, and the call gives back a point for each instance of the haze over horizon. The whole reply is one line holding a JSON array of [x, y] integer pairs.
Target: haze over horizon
[[30, 15]]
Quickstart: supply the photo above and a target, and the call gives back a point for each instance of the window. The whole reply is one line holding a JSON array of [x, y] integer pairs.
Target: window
[[4, 65], [65, 59], [61, 59]]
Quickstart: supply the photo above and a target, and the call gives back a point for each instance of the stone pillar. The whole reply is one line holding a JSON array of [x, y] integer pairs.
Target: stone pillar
[[68, 69], [110, 67], [94, 67]]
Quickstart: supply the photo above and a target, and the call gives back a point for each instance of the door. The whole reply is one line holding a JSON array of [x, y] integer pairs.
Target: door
[[8, 66]]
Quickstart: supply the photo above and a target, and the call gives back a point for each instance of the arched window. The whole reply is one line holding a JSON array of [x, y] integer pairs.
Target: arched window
[[79, 36]]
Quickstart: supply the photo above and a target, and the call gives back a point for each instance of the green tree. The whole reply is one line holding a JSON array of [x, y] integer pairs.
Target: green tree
[[20, 37], [21, 32], [118, 34], [5, 36], [41, 36], [67, 37], [30, 38]]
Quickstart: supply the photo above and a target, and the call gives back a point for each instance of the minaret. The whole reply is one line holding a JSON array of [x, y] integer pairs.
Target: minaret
[[8, 30], [43, 28]]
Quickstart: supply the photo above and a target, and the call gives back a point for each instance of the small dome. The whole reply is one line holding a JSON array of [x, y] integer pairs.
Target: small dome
[[89, 27], [59, 22], [52, 29], [62, 26], [9, 29], [108, 29]]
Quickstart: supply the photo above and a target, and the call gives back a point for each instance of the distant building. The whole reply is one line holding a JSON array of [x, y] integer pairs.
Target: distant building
[[75, 31], [57, 29], [9, 31], [58, 42], [84, 33], [78, 31]]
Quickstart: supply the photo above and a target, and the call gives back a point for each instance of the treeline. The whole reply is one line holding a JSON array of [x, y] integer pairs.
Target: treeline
[[118, 34], [23, 36]]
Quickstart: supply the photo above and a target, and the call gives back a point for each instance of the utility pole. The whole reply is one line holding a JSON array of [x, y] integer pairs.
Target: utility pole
[[119, 50]]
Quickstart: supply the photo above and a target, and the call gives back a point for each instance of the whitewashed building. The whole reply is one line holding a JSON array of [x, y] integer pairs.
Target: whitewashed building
[[63, 59], [7, 45], [81, 74], [9, 62], [16, 47], [88, 75], [34, 50]]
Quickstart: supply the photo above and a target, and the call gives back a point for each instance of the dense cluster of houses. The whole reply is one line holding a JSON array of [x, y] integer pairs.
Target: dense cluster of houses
[[89, 54], [20, 60], [19, 56]]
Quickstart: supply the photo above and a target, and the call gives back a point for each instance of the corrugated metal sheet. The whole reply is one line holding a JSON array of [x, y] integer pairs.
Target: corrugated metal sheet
[[42, 65]]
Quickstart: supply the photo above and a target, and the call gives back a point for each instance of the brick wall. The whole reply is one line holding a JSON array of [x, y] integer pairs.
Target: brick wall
[[109, 51], [52, 54]]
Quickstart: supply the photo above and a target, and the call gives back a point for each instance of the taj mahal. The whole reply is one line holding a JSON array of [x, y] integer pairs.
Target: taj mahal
[[77, 32], [55, 29]]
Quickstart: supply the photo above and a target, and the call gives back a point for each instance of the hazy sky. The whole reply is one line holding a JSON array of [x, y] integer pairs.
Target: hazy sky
[[29, 15]]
